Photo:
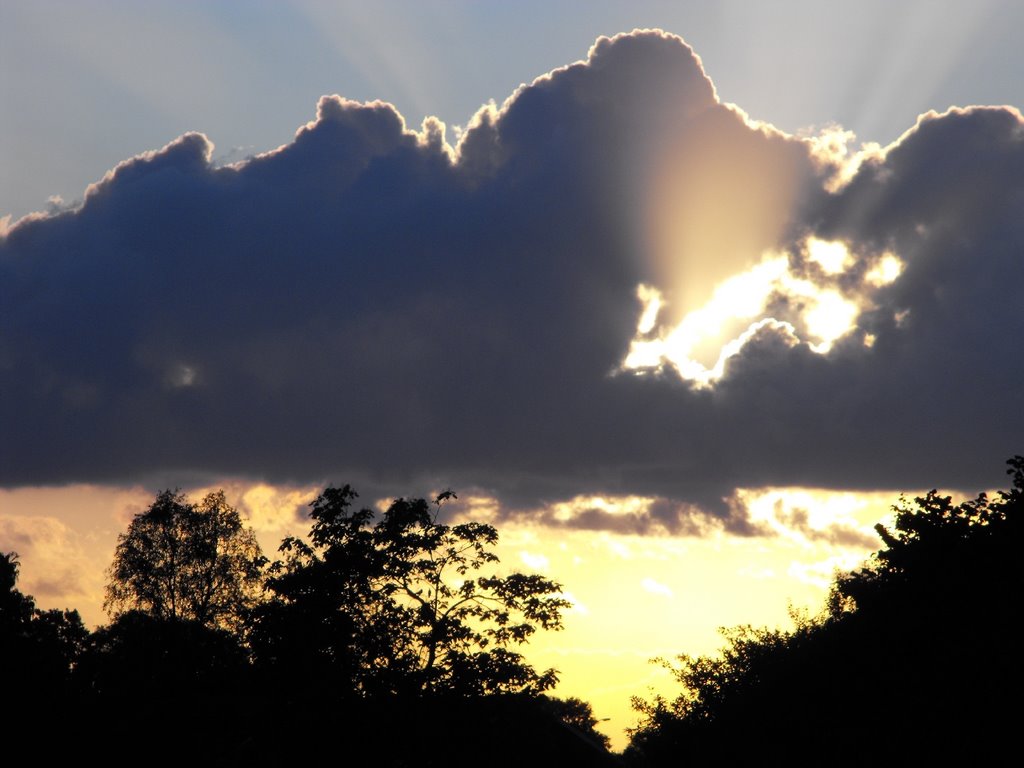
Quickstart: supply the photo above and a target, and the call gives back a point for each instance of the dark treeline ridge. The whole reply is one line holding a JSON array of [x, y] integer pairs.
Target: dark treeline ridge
[[390, 640], [915, 658], [387, 642]]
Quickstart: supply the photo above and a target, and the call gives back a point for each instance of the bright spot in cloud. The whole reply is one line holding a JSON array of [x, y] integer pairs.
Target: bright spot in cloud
[[699, 347], [831, 146], [645, 354], [651, 299], [831, 317], [741, 297], [183, 376], [656, 588], [734, 302], [885, 271], [832, 256]]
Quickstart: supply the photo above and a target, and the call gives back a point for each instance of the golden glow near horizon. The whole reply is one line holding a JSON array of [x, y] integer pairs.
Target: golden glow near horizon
[[640, 597], [818, 314], [634, 596]]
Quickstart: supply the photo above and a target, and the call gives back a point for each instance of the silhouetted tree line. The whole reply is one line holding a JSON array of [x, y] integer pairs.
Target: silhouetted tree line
[[916, 657], [385, 639], [38, 649], [388, 640]]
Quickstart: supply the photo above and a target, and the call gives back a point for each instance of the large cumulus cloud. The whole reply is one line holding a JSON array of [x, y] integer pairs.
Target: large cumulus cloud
[[368, 304]]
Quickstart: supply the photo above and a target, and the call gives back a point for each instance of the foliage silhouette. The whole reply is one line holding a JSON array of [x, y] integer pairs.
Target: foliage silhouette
[[16, 609], [141, 657], [578, 715], [405, 605], [394, 627], [179, 560], [914, 657], [38, 649], [437, 731]]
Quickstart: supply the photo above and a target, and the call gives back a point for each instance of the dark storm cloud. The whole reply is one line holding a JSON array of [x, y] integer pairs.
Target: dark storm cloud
[[659, 516], [361, 306], [938, 399], [798, 520]]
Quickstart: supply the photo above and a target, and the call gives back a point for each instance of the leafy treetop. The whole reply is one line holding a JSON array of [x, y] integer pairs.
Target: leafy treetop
[[406, 604], [914, 651], [180, 560]]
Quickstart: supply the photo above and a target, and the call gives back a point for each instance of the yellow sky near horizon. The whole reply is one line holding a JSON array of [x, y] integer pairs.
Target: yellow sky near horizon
[[635, 597]]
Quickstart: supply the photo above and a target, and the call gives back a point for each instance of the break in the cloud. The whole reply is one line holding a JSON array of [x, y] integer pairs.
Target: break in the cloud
[[614, 285]]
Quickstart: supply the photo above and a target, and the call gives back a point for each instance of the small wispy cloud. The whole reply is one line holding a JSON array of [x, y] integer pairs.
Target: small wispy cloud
[[656, 587], [536, 561]]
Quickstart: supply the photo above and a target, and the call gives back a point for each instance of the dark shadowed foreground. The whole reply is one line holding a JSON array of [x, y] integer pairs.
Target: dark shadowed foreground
[[392, 641], [914, 658], [389, 642]]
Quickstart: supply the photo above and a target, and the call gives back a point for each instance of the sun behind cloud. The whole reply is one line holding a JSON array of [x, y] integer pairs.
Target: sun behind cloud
[[816, 310]]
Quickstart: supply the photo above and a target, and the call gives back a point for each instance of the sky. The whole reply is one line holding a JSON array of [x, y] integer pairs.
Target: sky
[[680, 296]]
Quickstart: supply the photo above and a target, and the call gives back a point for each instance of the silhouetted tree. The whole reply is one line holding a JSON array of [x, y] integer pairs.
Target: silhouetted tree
[[578, 715], [142, 657], [935, 549], [16, 609], [38, 649], [438, 731], [180, 560], [162, 685], [405, 605], [915, 653]]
